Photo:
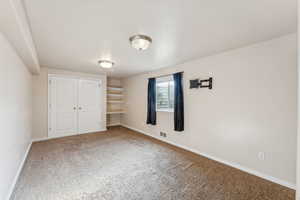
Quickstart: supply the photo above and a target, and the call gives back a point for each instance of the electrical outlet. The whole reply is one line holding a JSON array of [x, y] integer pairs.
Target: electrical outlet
[[162, 134], [261, 156]]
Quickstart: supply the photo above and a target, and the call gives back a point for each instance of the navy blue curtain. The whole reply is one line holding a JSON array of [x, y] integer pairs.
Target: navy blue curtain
[[178, 103], [151, 113]]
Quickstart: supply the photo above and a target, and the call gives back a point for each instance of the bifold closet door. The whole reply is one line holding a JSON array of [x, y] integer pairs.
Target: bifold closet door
[[63, 95], [89, 106]]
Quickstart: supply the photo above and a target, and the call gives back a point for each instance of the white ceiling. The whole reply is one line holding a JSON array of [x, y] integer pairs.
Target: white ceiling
[[74, 34]]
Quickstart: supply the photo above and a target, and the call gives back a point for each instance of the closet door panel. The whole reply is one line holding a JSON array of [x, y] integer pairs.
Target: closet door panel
[[89, 102], [63, 106]]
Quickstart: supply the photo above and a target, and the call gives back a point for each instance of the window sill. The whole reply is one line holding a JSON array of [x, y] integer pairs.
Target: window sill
[[165, 110]]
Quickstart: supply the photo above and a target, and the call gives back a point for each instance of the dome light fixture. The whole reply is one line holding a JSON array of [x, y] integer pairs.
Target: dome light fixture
[[140, 42], [107, 64]]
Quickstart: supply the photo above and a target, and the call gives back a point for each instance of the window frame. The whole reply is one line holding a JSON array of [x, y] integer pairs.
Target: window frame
[[167, 79]]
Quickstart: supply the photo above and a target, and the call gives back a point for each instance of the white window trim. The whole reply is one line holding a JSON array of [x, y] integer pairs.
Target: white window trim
[[165, 110]]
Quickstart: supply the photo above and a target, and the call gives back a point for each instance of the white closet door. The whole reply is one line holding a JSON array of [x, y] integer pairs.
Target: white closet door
[[63, 106], [89, 105]]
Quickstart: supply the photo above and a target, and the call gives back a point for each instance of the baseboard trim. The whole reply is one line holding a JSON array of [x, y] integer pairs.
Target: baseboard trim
[[50, 138], [231, 164], [11, 190], [116, 124]]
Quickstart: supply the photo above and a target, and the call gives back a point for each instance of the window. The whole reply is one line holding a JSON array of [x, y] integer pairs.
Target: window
[[165, 94]]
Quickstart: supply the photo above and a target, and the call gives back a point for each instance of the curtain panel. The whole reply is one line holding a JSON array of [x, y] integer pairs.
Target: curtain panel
[[151, 108], [178, 103]]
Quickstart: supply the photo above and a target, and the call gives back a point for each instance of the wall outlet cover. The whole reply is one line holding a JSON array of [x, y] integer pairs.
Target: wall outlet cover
[[261, 155], [162, 134]]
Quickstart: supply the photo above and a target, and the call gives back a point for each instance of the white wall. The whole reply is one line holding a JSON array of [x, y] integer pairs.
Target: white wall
[[298, 139], [15, 115], [251, 109], [40, 98]]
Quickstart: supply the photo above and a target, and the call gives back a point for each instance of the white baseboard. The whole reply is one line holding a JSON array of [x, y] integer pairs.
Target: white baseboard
[[231, 164], [56, 137], [12, 187], [116, 124]]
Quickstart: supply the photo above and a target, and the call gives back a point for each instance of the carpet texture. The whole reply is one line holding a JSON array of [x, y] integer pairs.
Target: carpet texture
[[121, 164]]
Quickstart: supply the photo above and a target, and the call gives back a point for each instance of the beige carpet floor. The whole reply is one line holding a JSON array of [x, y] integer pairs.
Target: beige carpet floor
[[121, 164]]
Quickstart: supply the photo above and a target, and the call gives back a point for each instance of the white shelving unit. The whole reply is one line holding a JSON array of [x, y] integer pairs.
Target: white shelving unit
[[114, 103]]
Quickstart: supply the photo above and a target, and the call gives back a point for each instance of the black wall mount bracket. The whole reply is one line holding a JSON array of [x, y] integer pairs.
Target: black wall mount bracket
[[206, 83]]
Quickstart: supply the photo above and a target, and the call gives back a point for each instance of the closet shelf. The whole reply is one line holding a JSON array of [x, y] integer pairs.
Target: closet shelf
[[114, 101], [115, 112], [115, 88], [114, 95]]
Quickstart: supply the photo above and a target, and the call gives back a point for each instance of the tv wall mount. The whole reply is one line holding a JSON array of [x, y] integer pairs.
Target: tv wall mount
[[206, 83]]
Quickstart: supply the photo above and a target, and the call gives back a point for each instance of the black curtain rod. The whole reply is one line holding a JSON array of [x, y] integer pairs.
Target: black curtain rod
[[166, 75]]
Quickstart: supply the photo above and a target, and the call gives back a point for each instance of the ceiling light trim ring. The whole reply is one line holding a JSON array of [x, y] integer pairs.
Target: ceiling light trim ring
[[144, 37], [108, 63], [137, 44]]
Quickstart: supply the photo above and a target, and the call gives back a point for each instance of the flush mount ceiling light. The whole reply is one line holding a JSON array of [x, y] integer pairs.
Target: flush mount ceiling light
[[105, 64], [140, 42]]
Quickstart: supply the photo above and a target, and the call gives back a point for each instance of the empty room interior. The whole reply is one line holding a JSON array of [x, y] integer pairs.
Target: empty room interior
[[149, 100]]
